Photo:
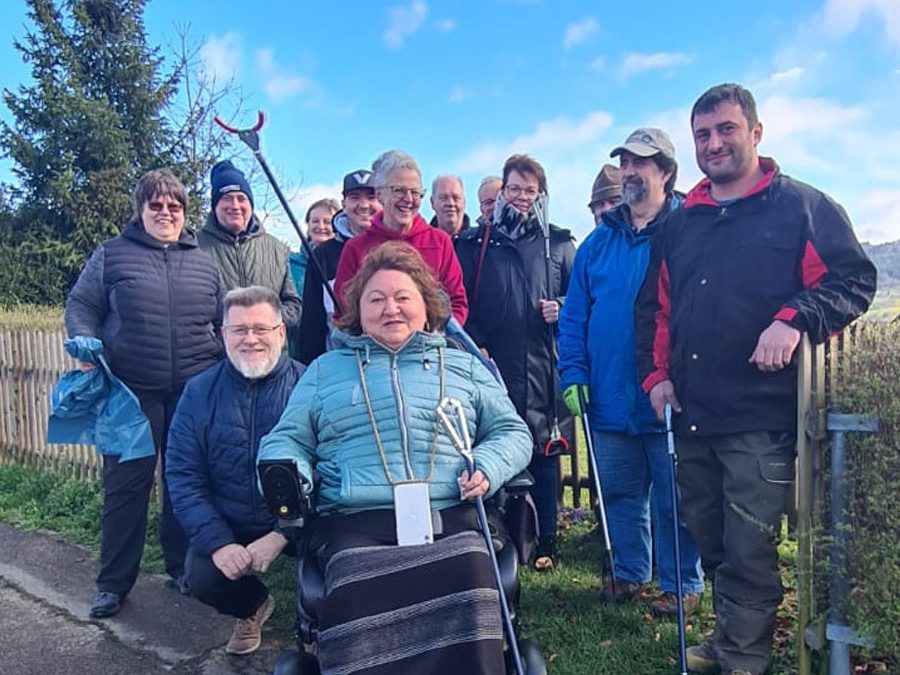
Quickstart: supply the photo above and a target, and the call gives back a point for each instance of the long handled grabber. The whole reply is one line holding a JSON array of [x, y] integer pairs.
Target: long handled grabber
[[458, 431], [556, 444], [601, 507], [250, 137], [679, 592]]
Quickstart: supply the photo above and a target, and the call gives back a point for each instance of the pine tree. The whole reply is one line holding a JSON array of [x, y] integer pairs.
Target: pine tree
[[87, 127]]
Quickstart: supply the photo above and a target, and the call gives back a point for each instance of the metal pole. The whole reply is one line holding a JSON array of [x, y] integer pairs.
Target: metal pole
[[838, 631]]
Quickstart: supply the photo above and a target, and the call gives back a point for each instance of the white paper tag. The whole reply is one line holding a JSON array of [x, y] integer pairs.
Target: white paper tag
[[412, 510]]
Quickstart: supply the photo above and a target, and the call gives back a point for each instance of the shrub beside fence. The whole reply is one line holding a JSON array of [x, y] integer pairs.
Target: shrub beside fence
[[870, 383]]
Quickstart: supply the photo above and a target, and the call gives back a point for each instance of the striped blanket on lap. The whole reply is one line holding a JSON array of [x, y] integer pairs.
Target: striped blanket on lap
[[413, 609]]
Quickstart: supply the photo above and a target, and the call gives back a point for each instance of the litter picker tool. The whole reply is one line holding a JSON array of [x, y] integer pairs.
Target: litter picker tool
[[601, 507], [452, 416], [679, 592], [556, 444], [250, 137]]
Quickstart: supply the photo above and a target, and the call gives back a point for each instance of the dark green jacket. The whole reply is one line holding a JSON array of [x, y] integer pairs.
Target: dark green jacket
[[252, 258]]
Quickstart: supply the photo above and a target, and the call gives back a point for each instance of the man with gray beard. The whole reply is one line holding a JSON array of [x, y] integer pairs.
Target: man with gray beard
[[213, 443], [597, 365]]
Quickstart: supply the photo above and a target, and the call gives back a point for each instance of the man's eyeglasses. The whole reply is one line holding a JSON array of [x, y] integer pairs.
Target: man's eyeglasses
[[516, 190], [244, 331], [173, 207], [399, 192], [488, 203]]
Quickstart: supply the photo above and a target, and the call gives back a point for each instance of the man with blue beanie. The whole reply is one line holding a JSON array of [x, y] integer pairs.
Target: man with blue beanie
[[236, 241]]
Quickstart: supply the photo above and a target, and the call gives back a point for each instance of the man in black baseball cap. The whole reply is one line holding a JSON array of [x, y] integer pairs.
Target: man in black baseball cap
[[359, 204]]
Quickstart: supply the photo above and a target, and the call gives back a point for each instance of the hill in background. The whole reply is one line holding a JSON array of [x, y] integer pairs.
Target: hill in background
[[886, 257]]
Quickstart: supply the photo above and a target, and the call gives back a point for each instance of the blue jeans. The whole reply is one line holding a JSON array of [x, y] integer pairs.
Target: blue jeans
[[636, 479]]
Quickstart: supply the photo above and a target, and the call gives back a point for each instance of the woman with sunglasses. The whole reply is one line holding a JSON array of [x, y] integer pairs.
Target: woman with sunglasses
[[154, 300]]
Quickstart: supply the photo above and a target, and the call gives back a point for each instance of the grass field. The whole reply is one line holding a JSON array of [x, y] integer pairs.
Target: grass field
[[561, 609]]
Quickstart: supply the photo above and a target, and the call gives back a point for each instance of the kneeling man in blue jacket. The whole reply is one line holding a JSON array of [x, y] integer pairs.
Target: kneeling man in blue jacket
[[213, 443]]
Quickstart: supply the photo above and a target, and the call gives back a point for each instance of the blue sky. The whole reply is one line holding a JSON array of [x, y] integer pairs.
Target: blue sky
[[462, 85]]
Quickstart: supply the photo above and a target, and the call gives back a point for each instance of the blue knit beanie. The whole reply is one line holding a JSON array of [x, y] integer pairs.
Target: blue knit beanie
[[226, 178]]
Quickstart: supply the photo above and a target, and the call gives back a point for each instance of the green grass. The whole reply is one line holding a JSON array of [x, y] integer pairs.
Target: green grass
[[561, 609]]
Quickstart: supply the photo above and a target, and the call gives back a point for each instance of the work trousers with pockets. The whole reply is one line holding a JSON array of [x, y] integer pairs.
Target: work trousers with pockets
[[733, 492], [126, 497]]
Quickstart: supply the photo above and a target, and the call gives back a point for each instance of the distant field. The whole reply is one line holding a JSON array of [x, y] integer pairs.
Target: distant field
[[886, 305]]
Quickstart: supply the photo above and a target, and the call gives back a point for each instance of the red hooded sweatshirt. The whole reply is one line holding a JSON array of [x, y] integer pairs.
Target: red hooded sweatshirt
[[433, 244]]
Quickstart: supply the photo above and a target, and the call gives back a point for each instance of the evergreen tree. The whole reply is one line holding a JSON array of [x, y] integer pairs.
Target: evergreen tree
[[87, 127]]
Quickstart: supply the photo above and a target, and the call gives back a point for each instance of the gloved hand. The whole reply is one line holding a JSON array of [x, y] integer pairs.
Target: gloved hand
[[573, 403]]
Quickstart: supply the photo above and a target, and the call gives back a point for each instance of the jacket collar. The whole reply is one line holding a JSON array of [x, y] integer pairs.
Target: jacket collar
[[466, 224], [419, 340], [700, 194], [213, 228], [619, 218]]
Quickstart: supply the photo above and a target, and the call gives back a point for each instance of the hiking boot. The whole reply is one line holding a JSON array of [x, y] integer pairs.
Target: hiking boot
[[702, 658], [105, 604], [546, 552], [247, 634], [623, 591], [666, 604]]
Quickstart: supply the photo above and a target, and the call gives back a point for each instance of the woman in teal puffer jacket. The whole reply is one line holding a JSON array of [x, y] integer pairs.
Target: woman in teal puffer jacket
[[363, 420]]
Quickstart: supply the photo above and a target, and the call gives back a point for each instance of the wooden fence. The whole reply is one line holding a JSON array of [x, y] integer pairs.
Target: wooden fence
[[31, 362]]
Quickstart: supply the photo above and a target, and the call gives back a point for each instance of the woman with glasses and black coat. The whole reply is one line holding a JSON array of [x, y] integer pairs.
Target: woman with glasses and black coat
[[154, 300], [513, 309]]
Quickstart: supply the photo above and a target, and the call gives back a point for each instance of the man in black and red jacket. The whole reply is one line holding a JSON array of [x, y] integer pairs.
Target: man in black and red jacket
[[752, 261]]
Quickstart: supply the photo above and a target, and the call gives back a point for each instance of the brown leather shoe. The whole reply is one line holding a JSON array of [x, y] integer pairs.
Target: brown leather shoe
[[247, 634], [624, 591], [666, 604]]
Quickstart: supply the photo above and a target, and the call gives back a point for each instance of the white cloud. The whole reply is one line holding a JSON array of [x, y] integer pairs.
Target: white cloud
[[808, 132], [445, 25], [571, 151], [841, 17], [280, 87], [578, 32], [785, 76], [636, 63], [598, 65], [557, 135], [879, 216], [220, 58], [459, 93], [277, 83], [404, 21], [300, 199]]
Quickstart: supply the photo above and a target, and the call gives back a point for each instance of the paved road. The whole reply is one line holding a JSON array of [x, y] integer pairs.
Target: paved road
[[46, 586]]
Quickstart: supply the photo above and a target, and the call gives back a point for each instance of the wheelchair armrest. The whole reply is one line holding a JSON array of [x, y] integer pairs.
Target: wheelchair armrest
[[286, 492], [521, 482]]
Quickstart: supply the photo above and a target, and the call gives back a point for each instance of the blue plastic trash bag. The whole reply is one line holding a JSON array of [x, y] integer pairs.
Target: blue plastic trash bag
[[96, 408]]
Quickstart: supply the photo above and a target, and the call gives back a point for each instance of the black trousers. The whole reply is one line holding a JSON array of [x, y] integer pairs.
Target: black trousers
[[126, 496], [239, 598], [733, 492]]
